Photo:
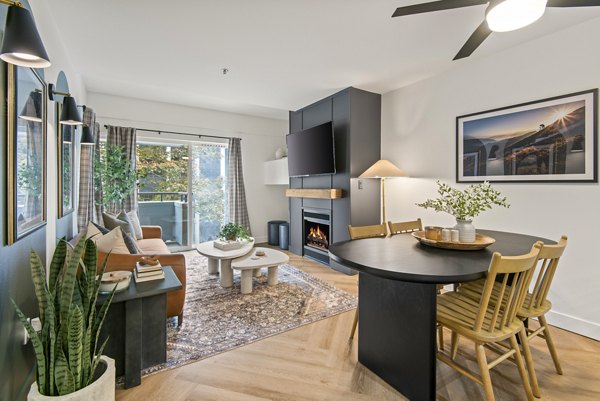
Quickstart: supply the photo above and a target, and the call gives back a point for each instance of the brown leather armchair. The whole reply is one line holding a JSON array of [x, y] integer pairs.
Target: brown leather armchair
[[153, 244]]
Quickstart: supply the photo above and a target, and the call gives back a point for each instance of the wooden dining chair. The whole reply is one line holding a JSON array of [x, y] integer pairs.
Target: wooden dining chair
[[536, 303], [359, 232], [405, 227], [492, 318]]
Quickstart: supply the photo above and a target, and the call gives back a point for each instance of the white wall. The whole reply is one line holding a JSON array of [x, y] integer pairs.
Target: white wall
[[260, 138], [60, 62], [418, 134]]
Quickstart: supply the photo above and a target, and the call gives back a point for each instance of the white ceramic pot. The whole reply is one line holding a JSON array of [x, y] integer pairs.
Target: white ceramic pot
[[466, 230], [102, 389]]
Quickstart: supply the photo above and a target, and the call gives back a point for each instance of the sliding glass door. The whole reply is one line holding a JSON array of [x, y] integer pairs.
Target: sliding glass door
[[208, 190], [182, 189]]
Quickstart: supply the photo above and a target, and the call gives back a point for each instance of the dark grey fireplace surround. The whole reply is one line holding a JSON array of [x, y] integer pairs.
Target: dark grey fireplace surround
[[356, 117]]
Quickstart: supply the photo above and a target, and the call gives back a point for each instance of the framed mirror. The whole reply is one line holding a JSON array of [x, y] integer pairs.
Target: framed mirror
[[26, 152], [66, 162]]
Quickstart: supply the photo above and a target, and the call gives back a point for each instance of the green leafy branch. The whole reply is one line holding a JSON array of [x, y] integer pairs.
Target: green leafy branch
[[465, 204]]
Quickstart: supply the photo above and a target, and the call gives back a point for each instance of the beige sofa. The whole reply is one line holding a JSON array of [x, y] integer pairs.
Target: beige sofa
[[152, 244]]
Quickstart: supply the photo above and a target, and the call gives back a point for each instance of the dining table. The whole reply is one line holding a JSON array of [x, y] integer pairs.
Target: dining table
[[397, 288]]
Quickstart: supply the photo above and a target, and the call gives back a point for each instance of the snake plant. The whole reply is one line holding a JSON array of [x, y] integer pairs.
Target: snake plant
[[67, 349]]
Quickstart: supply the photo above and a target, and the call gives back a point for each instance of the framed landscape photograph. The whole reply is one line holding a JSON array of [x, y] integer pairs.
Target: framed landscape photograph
[[550, 140]]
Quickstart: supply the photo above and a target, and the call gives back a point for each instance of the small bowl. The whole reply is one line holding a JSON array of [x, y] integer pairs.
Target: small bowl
[[120, 278], [260, 253]]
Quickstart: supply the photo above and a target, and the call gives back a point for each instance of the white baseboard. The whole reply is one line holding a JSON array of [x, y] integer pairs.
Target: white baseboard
[[260, 240], [574, 324]]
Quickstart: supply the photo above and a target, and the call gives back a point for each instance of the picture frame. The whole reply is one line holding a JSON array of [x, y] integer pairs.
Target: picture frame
[[65, 160], [550, 140], [26, 152]]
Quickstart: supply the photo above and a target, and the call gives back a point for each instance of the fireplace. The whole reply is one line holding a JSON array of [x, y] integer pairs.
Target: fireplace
[[316, 235]]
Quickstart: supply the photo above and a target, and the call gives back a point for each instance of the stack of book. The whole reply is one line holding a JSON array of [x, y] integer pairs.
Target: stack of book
[[143, 272]]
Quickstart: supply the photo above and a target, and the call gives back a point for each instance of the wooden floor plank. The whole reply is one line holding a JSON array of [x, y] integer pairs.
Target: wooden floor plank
[[317, 362]]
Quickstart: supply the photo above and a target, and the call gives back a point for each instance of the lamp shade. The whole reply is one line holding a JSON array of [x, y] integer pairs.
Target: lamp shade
[[383, 169], [69, 114], [32, 111], [87, 138], [22, 44]]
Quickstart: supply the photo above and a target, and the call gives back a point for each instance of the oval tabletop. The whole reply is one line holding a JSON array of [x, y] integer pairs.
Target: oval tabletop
[[402, 257], [271, 257], [208, 249]]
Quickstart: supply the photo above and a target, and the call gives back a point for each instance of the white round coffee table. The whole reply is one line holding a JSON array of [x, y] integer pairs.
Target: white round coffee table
[[220, 258], [251, 264]]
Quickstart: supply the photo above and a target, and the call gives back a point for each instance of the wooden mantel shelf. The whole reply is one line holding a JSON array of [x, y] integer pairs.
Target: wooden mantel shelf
[[335, 193]]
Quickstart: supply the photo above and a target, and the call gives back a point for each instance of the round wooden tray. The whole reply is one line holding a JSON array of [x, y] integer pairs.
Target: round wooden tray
[[481, 241]]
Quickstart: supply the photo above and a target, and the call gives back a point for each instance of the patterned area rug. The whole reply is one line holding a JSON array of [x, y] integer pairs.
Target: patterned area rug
[[219, 319]]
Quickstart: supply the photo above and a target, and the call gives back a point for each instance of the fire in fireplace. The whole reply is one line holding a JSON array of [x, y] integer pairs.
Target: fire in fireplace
[[317, 237]]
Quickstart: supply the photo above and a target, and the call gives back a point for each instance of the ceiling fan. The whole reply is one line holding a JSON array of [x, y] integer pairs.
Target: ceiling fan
[[500, 15]]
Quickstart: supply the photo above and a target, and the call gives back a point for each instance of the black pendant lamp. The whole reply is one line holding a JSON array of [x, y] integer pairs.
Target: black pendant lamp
[[87, 138], [69, 114], [22, 44], [32, 111]]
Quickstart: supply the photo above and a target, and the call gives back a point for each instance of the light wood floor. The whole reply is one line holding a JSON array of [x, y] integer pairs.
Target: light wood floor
[[317, 362]]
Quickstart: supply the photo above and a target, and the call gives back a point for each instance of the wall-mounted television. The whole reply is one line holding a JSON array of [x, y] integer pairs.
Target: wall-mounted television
[[311, 151]]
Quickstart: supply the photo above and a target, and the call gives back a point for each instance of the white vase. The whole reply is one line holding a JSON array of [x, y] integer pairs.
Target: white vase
[[466, 230], [101, 389]]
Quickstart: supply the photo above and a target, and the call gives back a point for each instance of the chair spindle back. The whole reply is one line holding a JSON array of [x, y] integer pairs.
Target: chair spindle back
[[358, 232], [498, 310], [405, 227], [544, 273]]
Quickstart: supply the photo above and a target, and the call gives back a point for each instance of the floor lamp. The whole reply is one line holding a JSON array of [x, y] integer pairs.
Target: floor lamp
[[383, 169]]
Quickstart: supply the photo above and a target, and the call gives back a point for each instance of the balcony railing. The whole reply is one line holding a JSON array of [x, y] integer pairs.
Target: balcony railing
[[162, 197]]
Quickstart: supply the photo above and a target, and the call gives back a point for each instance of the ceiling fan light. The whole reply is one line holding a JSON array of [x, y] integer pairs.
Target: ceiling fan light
[[510, 15]]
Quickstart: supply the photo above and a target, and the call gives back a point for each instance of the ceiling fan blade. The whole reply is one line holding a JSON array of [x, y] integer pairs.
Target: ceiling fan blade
[[476, 39], [436, 6], [573, 3]]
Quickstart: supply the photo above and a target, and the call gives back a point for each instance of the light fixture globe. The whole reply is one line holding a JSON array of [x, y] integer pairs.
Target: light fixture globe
[[22, 44], [510, 15]]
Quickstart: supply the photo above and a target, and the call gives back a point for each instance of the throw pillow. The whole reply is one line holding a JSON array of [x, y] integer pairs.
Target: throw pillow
[[124, 217], [135, 222], [112, 242], [131, 244], [93, 232], [111, 222], [103, 230]]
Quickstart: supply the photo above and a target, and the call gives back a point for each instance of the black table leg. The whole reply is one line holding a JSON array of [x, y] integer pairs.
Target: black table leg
[[133, 342], [397, 334]]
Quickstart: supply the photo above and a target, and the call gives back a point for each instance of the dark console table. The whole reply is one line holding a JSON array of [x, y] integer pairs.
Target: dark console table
[[397, 300], [136, 324]]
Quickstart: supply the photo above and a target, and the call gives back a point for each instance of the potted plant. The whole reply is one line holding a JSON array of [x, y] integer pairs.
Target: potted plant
[[69, 360], [465, 205], [232, 236], [234, 232]]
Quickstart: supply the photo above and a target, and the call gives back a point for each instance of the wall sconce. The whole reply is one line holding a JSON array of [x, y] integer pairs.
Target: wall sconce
[[22, 44], [32, 111], [87, 138], [69, 115]]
